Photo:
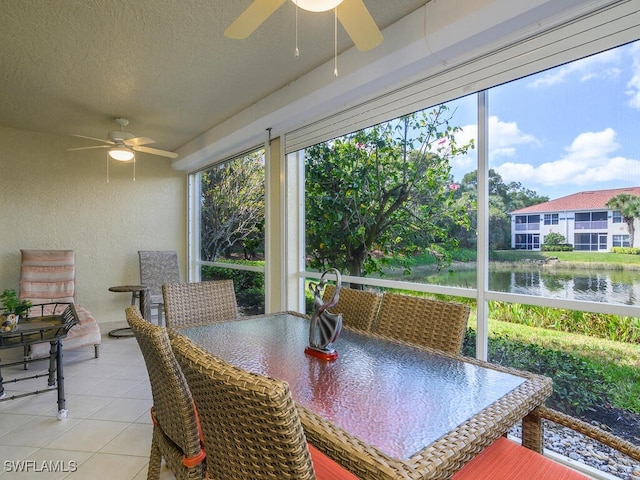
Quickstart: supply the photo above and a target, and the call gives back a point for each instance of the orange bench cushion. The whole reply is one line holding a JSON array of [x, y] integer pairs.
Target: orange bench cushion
[[505, 459], [326, 468]]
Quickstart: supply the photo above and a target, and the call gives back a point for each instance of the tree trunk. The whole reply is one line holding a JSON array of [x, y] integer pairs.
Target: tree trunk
[[355, 269]]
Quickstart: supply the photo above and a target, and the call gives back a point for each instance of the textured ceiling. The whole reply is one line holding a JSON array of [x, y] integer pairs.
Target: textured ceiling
[[70, 66]]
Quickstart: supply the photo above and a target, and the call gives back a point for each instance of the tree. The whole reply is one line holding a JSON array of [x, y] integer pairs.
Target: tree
[[382, 192], [503, 198], [232, 205], [629, 207]]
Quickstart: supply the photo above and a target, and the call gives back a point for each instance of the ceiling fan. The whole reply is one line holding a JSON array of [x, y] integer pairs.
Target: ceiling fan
[[353, 15], [122, 145]]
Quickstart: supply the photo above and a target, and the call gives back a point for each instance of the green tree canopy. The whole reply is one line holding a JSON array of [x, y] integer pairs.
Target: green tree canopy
[[232, 204], [629, 207], [503, 198], [382, 192]]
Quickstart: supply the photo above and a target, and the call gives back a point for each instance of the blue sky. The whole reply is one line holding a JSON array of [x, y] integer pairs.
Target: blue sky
[[572, 128]]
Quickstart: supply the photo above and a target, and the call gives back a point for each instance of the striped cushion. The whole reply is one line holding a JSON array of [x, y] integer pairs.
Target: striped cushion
[[47, 275], [506, 460]]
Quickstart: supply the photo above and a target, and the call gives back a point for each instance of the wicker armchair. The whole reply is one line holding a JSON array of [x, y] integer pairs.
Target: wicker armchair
[[358, 307], [175, 423], [431, 323], [158, 267], [198, 303], [535, 436], [505, 459], [251, 421]]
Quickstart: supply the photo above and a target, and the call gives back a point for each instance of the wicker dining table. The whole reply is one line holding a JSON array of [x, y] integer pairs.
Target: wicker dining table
[[384, 409]]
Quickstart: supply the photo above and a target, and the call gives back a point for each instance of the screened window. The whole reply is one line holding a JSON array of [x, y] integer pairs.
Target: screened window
[[590, 241], [591, 220], [231, 242], [541, 139], [383, 201], [616, 217], [527, 241], [620, 241], [528, 222], [537, 132]]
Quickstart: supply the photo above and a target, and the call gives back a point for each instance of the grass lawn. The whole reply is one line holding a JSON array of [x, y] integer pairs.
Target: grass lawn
[[573, 257], [615, 364]]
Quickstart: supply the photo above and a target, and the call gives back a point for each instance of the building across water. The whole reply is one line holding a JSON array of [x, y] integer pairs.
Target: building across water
[[583, 219]]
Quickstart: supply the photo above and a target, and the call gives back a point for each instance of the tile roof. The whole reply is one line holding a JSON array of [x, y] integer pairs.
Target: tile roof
[[590, 200]]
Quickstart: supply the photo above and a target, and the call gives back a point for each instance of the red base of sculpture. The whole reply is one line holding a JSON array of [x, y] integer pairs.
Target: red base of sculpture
[[329, 356]]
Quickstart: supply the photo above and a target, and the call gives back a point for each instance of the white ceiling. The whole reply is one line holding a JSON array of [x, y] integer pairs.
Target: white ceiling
[[71, 66]]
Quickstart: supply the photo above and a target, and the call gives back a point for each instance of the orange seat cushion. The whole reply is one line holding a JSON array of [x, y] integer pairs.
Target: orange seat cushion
[[505, 459], [327, 469]]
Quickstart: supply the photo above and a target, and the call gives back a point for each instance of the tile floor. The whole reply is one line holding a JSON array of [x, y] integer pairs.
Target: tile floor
[[107, 434]]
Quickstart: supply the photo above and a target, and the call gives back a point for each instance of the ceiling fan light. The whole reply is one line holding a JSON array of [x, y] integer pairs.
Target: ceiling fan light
[[121, 153], [317, 5]]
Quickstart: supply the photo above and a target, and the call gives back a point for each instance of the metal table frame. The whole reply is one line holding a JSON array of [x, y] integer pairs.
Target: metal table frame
[[48, 326]]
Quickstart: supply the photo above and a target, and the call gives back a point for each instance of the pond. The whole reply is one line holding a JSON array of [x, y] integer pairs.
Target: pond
[[613, 286]]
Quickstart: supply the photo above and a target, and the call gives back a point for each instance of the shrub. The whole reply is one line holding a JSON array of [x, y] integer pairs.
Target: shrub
[[248, 286], [577, 383], [626, 250], [554, 239], [561, 247]]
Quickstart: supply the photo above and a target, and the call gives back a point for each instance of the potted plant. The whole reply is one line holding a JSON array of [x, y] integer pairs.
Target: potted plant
[[12, 307]]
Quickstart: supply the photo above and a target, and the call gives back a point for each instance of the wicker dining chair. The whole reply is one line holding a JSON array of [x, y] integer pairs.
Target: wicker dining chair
[[358, 307], [251, 421], [175, 423], [198, 303], [431, 323]]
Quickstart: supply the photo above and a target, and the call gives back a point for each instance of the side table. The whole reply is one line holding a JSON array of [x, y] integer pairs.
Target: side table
[[141, 292]]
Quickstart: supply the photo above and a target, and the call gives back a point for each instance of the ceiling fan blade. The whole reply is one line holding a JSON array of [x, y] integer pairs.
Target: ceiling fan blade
[[94, 138], [88, 148], [252, 18], [359, 24], [134, 142], [155, 151]]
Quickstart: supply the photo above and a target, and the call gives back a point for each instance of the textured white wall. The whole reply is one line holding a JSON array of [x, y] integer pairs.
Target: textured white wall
[[54, 199]]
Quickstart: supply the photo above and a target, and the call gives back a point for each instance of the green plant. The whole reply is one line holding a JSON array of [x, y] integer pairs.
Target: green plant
[[626, 250], [598, 325], [578, 383], [11, 303], [554, 238], [248, 285]]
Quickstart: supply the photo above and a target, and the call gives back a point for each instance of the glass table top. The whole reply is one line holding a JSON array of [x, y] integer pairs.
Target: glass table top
[[392, 396]]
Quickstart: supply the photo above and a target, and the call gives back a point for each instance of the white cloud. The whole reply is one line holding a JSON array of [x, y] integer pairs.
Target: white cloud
[[587, 160], [504, 138], [633, 85], [602, 65]]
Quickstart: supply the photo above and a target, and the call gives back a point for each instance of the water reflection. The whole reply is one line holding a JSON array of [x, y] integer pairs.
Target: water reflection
[[596, 286]]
